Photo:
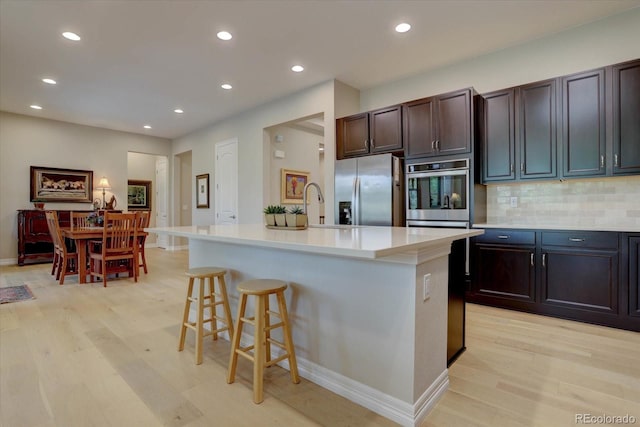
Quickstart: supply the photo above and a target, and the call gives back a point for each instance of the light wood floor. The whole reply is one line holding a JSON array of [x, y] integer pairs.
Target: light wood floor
[[83, 355]]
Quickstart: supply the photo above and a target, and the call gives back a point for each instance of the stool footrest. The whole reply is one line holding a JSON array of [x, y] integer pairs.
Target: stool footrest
[[244, 352], [274, 326], [279, 359], [278, 343]]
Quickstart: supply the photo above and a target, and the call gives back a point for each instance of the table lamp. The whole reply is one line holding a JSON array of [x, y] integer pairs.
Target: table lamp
[[104, 185]]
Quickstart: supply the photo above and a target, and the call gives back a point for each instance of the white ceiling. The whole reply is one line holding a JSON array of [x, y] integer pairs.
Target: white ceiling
[[138, 60]]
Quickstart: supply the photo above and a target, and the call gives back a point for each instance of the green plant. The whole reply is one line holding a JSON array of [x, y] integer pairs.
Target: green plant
[[296, 210], [275, 209]]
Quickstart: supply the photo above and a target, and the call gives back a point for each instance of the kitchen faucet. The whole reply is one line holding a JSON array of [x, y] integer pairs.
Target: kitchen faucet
[[304, 195]]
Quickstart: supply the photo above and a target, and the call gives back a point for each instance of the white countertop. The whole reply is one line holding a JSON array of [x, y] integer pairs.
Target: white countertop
[[359, 242], [624, 229]]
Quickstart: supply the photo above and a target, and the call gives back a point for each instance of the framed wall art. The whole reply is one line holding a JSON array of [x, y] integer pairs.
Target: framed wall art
[[61, 185], [138, 195], [202, 191], [292, 185]]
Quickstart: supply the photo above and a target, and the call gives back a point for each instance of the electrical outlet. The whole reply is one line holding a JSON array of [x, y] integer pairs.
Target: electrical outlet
[[514, 202], [426, 289]]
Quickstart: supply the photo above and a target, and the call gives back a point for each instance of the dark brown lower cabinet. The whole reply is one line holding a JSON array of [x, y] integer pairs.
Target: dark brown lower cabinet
[[579, 275]]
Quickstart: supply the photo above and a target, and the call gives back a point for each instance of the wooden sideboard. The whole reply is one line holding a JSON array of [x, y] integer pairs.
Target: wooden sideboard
[[34, 240]]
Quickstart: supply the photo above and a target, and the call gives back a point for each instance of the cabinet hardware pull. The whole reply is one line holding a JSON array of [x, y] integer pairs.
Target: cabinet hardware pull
[[373, 145], [365, 144], [601, 162], [575, 239], [532, 264], [615, 160], [522, 167], [438, 144], [544, 260], [503, 236], [511, 167]]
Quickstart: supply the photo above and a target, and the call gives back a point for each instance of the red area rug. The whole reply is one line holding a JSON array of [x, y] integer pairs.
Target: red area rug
[[15, 293]]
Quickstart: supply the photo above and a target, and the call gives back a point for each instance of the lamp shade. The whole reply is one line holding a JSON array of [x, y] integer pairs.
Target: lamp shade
[[104, 183]]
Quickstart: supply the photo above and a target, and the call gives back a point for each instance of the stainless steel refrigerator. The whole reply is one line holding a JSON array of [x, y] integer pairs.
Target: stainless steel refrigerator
[[368, 191]]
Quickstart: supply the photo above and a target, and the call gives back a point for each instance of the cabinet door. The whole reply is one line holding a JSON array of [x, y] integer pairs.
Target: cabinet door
[[537, 123], [498, 137], [582, 280], [419, 128], [353, 135], [626, 118], [505, 272], [385, 130], [583, 124], [633, 268], [454, 122]]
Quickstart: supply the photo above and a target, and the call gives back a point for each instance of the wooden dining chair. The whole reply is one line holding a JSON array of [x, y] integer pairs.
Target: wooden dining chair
[[142, 223], [79, 219], [118, 251], [65, 262]]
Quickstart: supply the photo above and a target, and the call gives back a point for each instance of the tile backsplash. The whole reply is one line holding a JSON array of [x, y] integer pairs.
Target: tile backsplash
[[580, 202]]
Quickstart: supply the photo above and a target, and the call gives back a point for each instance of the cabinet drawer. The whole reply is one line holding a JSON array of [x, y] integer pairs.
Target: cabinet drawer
[[581, 239], [507, 237]]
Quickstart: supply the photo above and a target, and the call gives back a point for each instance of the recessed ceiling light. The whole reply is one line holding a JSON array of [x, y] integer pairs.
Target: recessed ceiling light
[[297, 68], [49, 81], [36, 107], [224, 35], [179, 111], [147, 127], [71, 36], [226, 86], [403, 28]]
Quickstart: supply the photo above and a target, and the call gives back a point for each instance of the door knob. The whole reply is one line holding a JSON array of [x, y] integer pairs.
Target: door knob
[[232, 216]]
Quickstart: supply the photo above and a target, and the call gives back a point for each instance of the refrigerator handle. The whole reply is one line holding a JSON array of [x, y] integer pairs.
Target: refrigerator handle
[[354, 208]]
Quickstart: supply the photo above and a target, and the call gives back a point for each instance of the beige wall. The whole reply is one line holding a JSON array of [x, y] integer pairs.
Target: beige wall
[[142, 167], [250, 128], [27, 141], [301, 153]]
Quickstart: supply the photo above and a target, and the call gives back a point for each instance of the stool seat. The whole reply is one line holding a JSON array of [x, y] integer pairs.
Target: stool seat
[[205, 271], [261, 286], [206, 300], [261, 289]]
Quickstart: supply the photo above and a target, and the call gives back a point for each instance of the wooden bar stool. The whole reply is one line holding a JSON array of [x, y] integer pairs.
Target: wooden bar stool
[[261, 322], [206, 301]]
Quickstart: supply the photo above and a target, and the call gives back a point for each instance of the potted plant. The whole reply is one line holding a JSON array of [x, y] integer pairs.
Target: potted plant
[[269, 215], [279, 215], [38, 204], [296, 217]]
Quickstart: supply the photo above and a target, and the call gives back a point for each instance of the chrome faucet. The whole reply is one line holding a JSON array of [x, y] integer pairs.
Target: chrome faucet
[[304, 195]]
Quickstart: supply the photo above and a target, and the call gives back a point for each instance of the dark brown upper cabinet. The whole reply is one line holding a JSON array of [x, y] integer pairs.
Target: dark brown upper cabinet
[[626, 117], [498, 136], [538, 130], [374, 132], [583, 124], [519, 132], [440, 125]]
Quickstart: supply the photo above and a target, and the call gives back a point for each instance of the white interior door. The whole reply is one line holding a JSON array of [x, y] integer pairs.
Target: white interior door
[[226, 176], [161, 200]]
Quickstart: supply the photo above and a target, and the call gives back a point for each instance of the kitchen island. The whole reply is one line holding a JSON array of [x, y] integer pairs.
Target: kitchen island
[[368, 305]]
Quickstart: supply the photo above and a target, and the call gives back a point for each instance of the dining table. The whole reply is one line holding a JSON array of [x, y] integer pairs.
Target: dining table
[[82, 235]]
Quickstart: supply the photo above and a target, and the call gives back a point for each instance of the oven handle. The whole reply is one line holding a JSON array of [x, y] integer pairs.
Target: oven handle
[[450, 224], [441, 173]]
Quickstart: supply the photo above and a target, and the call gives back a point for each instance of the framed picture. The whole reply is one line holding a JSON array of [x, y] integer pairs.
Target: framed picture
[[138, 195], [202, 191], [292, 185], [61, 185]]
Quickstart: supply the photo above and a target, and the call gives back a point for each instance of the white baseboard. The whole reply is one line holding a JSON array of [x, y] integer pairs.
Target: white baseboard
[[177, 248], [9, 261]]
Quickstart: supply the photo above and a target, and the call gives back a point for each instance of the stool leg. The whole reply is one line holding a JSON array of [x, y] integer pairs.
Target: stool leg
[[288, 341], [199, 329], [267, 331], [235, 341], [258, 349], [185, 317], [225, 304], [212, 309]]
